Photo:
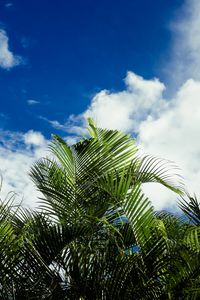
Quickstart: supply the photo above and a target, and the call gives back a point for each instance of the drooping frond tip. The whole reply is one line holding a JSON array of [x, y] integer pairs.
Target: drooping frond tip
[[92, 129]]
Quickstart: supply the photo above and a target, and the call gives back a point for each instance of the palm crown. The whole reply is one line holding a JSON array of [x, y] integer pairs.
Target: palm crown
[[96, 235]]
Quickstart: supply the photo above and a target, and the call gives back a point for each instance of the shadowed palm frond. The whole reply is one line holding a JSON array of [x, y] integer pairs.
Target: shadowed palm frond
[[191, 208]]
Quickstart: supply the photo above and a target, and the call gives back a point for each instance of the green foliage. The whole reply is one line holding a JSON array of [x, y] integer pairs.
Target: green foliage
[[96, 235]]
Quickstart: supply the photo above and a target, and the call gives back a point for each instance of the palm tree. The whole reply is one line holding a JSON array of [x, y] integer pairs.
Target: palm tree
[[96, 235], [97, 214]]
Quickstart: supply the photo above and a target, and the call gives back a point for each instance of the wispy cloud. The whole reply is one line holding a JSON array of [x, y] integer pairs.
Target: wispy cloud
[[8, 60], [8, 4], [54, 123], [74, 124], [27, 42], [3, 116], [32, 102], [185, 58]]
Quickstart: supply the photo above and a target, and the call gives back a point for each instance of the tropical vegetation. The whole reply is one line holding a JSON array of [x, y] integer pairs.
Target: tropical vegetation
[[95, 234]]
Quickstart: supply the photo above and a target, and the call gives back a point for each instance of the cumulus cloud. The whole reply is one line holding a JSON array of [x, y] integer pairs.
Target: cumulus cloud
[[124, 110], [18, 152], [34, 138], [8, 60], [16, 158], [174, 135], [166, 128]]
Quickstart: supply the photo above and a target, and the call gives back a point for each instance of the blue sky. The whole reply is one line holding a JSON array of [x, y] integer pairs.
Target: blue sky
[[70, 50], [131, 65]]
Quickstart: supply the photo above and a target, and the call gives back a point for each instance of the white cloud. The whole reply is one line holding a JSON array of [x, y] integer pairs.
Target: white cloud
[[18, 152], [57, 125], [69, 126], [166, 128], [32, 102], [16, 158], [185, 54], [132, 110], [34, 138], [174, 135], [8, 60], [124, 110], [71, 140]]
